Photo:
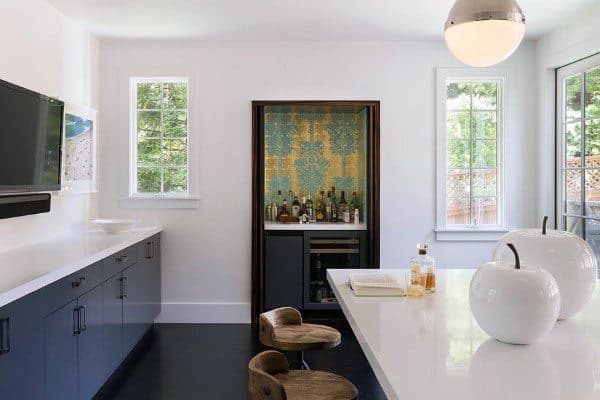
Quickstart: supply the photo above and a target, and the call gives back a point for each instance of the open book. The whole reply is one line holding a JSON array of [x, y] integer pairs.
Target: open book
[[376, 284]]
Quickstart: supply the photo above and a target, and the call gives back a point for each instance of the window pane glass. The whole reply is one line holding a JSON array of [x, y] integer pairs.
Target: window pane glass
[[592, 235], [458, 212], [573, 144], [174, 152], [175, 123], [457, 124], [573, 98], [148, 180], [175, 95], [148, 95], [458, 96], [485, 211], [175, 180], [484, 95], [573, 192], [574, 225], [484, 124], [148, 152], [484, 183], [458, 154], [458, 183], [484, 154], [592, 93], [148, 124], [592, 192], [592, 143]]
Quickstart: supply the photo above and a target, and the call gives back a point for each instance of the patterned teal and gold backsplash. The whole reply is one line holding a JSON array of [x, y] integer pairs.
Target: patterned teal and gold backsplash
[[312, 148]]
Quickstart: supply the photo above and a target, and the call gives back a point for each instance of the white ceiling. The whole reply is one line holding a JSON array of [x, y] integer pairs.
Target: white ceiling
[[290, 19]]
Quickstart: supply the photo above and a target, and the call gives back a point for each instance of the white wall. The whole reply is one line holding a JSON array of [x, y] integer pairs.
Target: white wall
[[578, 38], [46, 52], [206, 264]]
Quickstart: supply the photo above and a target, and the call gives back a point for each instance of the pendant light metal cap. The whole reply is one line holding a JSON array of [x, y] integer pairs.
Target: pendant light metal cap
[[484, 10]]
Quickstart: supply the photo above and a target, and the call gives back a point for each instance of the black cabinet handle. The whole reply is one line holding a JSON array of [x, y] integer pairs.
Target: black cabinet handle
[[83, 325], [4, 335], [122, 259], [76, 321], [122, 287], [149, 249], [78, 283]]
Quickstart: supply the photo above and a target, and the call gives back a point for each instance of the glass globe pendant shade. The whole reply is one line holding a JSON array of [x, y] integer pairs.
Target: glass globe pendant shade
[[482, 33]]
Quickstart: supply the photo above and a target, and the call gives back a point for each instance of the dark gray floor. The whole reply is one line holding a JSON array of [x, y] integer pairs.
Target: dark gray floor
[[178, 362]]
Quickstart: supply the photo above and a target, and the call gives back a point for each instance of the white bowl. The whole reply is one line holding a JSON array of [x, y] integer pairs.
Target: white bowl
[[115, 225]]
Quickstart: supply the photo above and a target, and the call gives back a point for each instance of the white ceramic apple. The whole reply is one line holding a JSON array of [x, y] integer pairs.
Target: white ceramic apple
[[566, 256], [514, 304]]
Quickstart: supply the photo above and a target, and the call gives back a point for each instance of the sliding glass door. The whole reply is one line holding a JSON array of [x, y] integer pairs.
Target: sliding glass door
[[578, 149]]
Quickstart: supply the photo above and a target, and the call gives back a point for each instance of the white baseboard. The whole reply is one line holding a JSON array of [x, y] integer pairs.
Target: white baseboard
[[205, 313]]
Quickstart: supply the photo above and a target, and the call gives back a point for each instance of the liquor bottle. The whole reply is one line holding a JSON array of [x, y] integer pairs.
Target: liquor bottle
[[334, 206], [353, 206], [319, 286], [423, 269], [296, 207], [328, 207], [343, 209], [284, 210], [310, 211], [268, 212], [320, 213], [278, 204]]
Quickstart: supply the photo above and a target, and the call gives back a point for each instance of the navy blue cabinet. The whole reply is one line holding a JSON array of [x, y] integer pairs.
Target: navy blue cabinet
[[283, 269], [112, 313], [21, 350], [63, 341], [134, 323], [149, 259], [90, 368], [61, 329]]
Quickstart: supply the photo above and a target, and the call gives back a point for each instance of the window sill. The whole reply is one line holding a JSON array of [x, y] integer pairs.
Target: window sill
[[470, 234], [154, 202]]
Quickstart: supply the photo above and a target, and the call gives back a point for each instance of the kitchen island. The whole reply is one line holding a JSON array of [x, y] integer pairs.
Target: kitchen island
[[431, 347]]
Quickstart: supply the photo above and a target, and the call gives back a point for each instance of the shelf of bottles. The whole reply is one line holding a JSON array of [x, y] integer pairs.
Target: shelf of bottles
[[329, 253], [315, 166]]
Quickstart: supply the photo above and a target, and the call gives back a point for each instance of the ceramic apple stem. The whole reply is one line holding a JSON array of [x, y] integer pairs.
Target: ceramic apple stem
[[544, 225], [514, 250]]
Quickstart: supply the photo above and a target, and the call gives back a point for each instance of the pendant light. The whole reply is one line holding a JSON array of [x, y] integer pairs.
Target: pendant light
[[482, 33]]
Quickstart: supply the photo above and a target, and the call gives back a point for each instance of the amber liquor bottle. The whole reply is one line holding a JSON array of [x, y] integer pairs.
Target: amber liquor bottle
[[320, 213]]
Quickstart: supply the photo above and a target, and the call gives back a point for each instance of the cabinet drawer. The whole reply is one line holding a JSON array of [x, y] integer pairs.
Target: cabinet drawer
[[69, 288], [118, 262]]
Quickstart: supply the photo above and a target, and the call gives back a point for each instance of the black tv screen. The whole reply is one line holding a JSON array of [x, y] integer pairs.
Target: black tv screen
[[31, 127]]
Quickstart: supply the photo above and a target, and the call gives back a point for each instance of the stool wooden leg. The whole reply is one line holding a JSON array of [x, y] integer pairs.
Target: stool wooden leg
[[299, 362]]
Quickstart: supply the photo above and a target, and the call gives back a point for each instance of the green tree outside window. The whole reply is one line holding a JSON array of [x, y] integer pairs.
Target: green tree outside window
[[161, 119]]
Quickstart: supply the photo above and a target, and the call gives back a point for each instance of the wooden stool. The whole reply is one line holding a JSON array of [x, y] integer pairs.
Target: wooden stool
[[270, 378], [283, 329]]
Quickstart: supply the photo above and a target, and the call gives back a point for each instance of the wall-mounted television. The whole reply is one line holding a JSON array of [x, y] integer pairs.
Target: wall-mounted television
[[31, 127]]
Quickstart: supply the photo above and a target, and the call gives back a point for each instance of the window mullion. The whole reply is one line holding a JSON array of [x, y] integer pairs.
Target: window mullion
[[471, 154], [582, 150], [162, 134]]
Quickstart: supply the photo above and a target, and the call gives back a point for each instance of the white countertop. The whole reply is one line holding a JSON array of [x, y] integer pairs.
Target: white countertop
[[26, 269], [432, 348], [321, 226]]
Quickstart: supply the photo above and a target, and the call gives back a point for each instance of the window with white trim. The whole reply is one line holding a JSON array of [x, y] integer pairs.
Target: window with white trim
[[470, 151], [159, 137], [578, 149]]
